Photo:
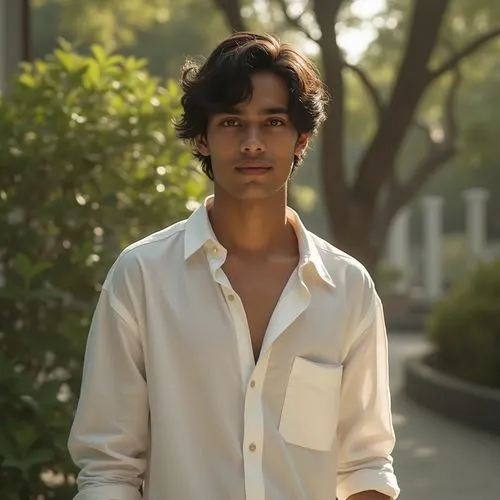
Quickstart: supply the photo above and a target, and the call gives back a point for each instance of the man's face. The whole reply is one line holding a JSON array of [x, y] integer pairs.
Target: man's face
[[252, 146]]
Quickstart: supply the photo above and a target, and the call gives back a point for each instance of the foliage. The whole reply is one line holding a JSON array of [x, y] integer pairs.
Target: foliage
[[190, 30], [110, 22], [466, 328], [89, 162], [194, 27], [387, 278], [403, 66]]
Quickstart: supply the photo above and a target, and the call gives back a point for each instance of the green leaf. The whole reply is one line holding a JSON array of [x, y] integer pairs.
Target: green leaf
[[27, 80], [66, 59], [23, 265], [25, 437], [7, 448], [13, 463], [65, 44], [173, 88], [99, 53], [38, 457], [40, 267], [92, 75], [48, 392], [77, 75], [114, 60]]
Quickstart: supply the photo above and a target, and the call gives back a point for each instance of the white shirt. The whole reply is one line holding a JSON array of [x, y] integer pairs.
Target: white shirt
[[172, 396]]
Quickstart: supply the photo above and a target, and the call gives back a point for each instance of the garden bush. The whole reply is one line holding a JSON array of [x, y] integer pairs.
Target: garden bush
[[89, 162], [466, 328]]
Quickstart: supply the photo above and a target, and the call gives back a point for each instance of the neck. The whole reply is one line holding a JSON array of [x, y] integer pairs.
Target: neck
[[253, 228]]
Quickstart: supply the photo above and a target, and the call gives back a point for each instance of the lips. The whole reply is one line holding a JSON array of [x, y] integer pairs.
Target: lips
[[253, 167], [253, 164]]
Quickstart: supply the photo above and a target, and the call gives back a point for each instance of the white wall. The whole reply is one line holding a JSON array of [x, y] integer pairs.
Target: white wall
[[11, 39], [3, 44]]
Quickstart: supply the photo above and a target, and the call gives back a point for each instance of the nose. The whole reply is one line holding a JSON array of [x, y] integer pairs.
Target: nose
[[252, 142]]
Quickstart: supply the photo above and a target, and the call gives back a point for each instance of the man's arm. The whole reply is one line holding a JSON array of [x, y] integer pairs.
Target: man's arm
[[110, 431], [365, 432]]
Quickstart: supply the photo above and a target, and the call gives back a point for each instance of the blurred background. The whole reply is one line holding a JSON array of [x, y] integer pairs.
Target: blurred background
[[405, 176]]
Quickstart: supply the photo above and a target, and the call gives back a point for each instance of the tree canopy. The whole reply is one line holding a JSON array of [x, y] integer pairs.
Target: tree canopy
[[399, 109], [419, 44]]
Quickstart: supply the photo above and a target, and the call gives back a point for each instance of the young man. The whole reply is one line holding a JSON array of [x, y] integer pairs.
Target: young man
[[235, 355]]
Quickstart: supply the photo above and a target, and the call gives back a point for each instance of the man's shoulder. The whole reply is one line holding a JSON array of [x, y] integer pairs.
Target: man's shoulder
[[352, 278], [147, 252], [159, 239]]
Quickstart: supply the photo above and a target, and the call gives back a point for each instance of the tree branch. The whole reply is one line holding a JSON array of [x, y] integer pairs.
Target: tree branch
[[450, 124], [454, 61], [377, 164], [424, 171], [326, 12], [425, 128], [335, 189], [370, 87], [295, 21], [232, 12], [439, 153]]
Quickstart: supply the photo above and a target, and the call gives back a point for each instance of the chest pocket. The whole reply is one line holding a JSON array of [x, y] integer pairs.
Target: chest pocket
[[310, 411]]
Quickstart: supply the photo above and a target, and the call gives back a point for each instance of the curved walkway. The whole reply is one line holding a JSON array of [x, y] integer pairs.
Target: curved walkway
[[435, 458]]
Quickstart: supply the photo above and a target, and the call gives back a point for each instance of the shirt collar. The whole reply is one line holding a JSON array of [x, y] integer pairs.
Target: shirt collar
[[199, 233], [309, 253]]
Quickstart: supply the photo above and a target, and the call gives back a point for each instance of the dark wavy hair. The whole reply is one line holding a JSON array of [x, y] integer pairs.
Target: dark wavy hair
[[224, 81]]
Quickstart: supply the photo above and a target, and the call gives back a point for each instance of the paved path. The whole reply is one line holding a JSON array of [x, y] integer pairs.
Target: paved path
[[435, 458]]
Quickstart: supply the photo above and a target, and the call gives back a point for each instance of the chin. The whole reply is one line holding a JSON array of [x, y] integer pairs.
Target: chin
[[250, 191], [254, 193]]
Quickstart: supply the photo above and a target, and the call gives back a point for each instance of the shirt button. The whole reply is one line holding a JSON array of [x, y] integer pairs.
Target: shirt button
[[252, 383], [230, 297], [252, 447]]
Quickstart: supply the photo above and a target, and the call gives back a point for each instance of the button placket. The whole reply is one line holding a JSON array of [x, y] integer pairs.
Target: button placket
[[251, 405], [237, 312], [254, 431]]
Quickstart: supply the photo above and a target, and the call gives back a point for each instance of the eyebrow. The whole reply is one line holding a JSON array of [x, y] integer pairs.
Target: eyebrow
[[278, 110]]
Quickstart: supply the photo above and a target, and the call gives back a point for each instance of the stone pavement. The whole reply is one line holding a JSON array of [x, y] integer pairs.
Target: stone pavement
[[435, 458]]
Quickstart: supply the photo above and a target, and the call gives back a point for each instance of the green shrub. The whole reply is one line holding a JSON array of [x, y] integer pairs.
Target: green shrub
[[89, 163], [387, 278], [466, 328]]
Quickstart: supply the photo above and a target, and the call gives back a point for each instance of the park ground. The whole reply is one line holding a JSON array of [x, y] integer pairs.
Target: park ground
[[436, 458]]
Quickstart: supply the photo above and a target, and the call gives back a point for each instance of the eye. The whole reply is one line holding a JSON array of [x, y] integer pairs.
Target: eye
[[230, 122], [276, 122]]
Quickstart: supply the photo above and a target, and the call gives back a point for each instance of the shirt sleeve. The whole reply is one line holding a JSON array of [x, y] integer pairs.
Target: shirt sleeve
[[109, 437], [365, 432]]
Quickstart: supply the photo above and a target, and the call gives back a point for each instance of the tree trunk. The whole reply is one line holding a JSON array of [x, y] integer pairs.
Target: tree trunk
[[353, 214], [361, 249], [358, 220], [352, 239]]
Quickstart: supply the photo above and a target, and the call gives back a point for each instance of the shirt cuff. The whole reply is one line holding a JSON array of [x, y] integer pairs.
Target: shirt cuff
[[366, 480], [110, 492]]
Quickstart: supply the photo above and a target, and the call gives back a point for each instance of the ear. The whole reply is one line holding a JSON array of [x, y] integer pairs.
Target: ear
[[202, 145], [301, 144]]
